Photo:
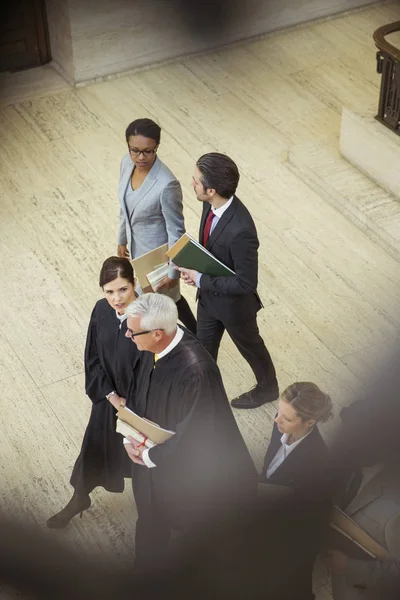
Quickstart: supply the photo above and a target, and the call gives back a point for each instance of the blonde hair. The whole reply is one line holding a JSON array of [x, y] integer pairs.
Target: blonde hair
[[308, 401]]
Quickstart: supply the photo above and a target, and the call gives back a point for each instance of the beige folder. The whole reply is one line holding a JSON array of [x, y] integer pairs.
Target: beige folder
[[147, 263]]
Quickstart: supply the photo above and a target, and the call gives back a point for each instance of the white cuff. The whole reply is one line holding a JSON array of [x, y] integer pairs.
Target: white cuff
[[147, 460], [198, 278]]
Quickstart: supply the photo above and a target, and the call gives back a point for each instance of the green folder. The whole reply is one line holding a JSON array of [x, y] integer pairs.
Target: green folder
[[188, 253]]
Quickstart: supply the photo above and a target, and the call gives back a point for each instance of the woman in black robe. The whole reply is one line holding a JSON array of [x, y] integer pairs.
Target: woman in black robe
[[109, 361]]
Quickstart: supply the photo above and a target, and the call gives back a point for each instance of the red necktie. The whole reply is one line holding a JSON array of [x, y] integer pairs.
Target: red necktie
[[207, 227]]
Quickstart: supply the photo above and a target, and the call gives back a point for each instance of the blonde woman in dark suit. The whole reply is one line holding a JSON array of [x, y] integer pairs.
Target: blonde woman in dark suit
[[297, 456]]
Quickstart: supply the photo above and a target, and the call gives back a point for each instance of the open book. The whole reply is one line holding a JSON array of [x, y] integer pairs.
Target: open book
[[151, 268], [157, 275], [142, 430], [147, 263]]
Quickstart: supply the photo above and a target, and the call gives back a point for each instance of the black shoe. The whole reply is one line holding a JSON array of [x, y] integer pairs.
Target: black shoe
[[256, 397], [76, 505]]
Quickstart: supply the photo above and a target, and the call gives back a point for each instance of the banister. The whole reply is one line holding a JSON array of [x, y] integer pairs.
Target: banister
[[382, 43]]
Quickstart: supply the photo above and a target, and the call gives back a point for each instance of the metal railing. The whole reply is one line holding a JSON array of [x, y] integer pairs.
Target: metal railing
[[388, 65]]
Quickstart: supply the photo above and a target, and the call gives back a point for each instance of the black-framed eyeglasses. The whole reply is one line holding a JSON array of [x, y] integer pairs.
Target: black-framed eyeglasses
[[136, 152], [132, 334]]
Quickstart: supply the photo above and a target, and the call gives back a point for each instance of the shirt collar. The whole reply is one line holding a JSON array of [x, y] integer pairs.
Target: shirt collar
[[177, 338], [290, 447], [121, 317], [218, 212]]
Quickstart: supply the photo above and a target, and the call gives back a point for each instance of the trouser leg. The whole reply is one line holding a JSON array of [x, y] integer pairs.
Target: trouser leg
[[209, 331], [185, 315], [251, 346]]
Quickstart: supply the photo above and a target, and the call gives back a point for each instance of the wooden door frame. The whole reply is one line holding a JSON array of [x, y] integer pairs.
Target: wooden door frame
[[42, 31]]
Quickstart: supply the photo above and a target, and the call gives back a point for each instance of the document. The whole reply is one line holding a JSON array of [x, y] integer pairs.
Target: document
[[142, 430], [156, 276]]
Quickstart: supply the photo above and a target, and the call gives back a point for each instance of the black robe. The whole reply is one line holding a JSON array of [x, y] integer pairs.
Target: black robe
[[109, 361], [205, 469]]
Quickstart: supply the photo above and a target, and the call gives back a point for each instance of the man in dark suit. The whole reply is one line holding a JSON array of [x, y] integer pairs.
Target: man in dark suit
[[231, 303]]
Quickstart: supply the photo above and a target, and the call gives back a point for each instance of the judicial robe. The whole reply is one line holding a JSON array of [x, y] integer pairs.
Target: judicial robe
[[205, 469], [109, 361]]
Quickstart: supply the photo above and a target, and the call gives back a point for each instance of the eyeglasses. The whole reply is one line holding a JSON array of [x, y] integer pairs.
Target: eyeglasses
[[132, 334], [136, 152]]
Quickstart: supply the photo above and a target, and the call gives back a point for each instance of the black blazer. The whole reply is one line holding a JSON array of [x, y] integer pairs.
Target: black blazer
[[305, 469], [234, 242]]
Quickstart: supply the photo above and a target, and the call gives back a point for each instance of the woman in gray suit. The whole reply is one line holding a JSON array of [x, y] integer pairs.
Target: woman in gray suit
[[151, 210]]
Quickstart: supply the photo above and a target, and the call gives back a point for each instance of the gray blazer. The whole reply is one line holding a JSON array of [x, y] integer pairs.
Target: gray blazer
[[157, 216]]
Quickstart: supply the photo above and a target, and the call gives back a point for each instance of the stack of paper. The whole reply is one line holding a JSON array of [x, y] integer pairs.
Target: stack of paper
[[151, 268], [142, 430]]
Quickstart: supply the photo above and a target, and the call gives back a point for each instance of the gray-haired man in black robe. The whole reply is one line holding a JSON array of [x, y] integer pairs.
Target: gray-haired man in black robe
[[204, 471]]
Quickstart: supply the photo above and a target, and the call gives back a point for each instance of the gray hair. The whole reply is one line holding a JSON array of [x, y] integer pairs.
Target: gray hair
[[156, 311]]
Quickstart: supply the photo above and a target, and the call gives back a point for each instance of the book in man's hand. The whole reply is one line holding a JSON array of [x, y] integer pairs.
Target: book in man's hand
[[142, 430], [189, 254]]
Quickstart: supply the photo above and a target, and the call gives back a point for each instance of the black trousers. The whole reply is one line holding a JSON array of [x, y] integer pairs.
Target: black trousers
[[247, 340], [185, 315]]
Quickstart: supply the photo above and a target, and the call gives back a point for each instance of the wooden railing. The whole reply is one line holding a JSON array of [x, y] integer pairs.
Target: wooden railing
[[388, 65]]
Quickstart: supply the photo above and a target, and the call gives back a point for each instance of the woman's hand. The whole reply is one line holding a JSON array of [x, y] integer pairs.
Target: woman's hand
[[122, 251], [166, 284]]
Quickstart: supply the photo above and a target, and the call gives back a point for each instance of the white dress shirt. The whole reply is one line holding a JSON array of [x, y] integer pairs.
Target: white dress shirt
[[178, 336], [218, 212], [283, 452], [121, 318]]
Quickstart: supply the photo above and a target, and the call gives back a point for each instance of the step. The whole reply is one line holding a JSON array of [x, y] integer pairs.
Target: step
[[367, 205], [371, 147]]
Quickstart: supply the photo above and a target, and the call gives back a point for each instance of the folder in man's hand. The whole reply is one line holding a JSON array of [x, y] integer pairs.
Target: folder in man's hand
[[189, 254]]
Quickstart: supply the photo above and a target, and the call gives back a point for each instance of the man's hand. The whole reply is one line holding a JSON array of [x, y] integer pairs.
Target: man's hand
[[117, 401], [122, 251], [135, 450], [166, 284], [188, 275]]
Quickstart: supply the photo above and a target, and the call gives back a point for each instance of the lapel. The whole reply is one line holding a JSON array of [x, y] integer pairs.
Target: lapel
[[144, 189], [126, 172], [301, 455], [372, 490], [223, 221], [273, 447]]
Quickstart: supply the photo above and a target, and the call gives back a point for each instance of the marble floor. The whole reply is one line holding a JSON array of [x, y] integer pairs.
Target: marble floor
[[329, 292]]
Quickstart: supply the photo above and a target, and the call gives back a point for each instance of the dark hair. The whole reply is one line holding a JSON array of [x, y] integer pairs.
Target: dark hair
[[219, 173], [308, 401], [114, 267], [146, 128]]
